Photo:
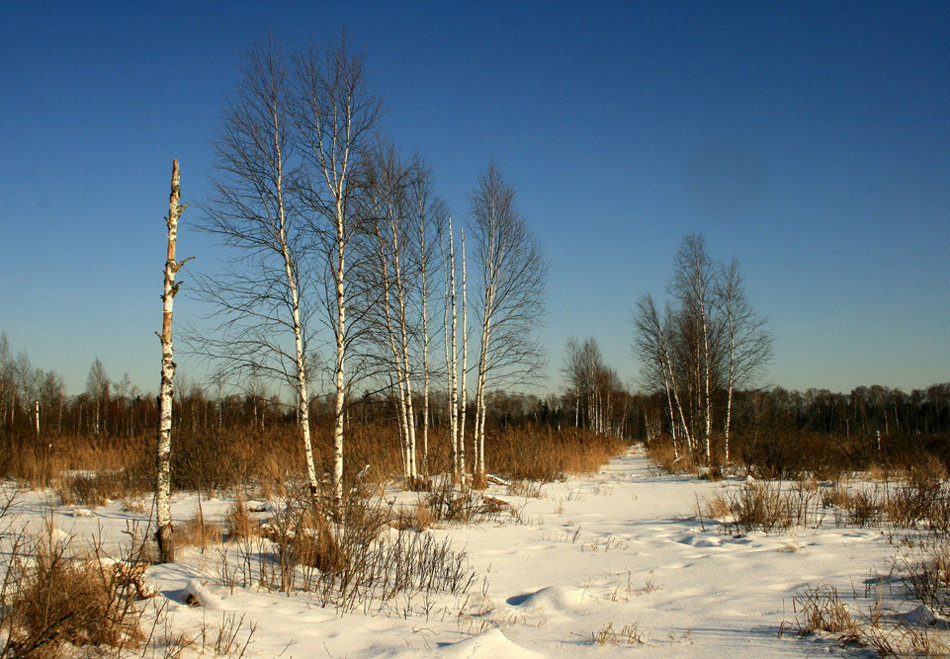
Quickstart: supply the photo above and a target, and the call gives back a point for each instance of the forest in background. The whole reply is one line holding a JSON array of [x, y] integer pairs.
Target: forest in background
[[774, 428]]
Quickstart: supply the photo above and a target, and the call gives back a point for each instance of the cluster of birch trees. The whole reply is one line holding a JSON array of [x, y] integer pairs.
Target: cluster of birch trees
[[708, 340], [599, 397], [344, 269]]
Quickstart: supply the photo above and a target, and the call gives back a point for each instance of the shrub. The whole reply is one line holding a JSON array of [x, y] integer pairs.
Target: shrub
[[61, 598], [359, 561]]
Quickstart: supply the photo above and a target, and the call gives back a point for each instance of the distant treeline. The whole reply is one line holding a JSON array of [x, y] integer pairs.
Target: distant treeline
[[34, 402]]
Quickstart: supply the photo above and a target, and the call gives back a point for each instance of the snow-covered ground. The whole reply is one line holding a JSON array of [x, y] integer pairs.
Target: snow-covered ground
[[616, 556]]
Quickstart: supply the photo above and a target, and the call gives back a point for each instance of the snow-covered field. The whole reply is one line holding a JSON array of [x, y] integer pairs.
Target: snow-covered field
[[617, 556]]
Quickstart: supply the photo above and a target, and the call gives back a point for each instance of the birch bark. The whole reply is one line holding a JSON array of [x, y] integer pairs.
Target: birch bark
[[165, 533]]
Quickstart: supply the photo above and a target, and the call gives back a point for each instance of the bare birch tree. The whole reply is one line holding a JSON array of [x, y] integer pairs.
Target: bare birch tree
[[511, 294], [430, 214], [165, 533], [262, 296], [593, 384], [337, 118], [387, 185], [693, 287], [653, 341], [746, 339], [451, 310], [97, 387], [405, 212], [708, 342]]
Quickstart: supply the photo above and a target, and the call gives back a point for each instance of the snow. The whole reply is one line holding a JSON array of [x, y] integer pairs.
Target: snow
[[592, 556]]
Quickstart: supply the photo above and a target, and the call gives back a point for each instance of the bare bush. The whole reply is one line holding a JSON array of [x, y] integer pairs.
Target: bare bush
[[53, 597], [463, 505], [765, 506], [359, 562]]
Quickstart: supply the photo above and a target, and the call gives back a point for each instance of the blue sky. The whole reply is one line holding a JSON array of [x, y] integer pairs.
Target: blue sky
[[810, 140]]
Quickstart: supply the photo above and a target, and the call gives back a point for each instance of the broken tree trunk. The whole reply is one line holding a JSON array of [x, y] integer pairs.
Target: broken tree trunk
[[165, 535]]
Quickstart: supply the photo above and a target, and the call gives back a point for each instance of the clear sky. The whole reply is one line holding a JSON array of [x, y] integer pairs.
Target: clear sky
[[810, 140]]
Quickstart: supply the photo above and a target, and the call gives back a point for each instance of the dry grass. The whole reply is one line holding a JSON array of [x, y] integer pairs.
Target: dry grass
[[54, 598], [607, 635], [198, 532], [239, 524], [716, 508], [661, 454], [820, 609], [94, 489], [527, 489], [921, 500], [927, 577], [544, 454], [417, 517], [40, 463], [357, 562], [225, 459], [764, 506], [459, 504]]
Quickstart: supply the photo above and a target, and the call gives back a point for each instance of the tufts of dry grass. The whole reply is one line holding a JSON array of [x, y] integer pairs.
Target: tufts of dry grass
[[528, 489], [820, 609], [239, 525], [54, 598], [358, 561], [418, 517], [94, 489], [608, 636], [198, 532]]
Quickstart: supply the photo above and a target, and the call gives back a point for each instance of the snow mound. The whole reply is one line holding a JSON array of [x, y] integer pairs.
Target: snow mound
[[491, 644], [196, 594], [922, 615], [553, 598]]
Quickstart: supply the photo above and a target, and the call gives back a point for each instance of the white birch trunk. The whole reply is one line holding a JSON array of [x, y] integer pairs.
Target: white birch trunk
[[165, 534], [340, 380], [480, 411], [424, 263], [451, 358], [732, 385], [679, 406], [707, 381], [463, 398], [398, 361], [409, 410], [673, 424], [303, 392]]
